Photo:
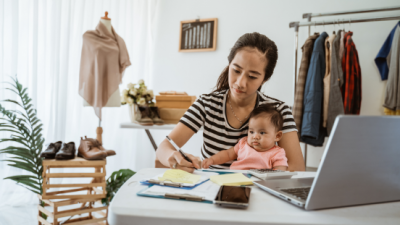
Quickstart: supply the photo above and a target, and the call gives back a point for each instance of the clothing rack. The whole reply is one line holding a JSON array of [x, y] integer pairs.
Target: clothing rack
[[308, 24]]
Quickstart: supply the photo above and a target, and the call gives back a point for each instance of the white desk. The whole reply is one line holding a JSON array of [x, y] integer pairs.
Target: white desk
[[128, 208]]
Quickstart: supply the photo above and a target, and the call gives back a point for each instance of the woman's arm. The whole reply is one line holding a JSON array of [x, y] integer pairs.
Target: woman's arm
[[290, 142], [168, 155], [219, 158]]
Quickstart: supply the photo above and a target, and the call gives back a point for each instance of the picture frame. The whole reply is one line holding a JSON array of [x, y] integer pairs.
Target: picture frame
[[198, 35]]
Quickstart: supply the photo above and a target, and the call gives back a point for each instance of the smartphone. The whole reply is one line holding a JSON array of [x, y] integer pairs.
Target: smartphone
[[233, 197]]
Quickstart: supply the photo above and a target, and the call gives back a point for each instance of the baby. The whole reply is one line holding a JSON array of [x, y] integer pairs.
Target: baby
[[258, 149]]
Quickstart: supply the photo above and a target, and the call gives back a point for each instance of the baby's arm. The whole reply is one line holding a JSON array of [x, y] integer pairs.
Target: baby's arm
[[284, 168], [219, 158]]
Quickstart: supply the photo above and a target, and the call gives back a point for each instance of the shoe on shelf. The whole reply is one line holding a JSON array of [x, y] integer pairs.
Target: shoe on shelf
[[90, 150], [155, 116], [143, 117], [67, 151], [51, 150], [97, 143]]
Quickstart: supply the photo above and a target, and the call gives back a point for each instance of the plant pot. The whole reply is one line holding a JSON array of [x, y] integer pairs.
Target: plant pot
[[134, 113]]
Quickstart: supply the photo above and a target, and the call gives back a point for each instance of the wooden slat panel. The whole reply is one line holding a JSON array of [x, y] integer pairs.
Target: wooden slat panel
[[72, 202], [79, 211], [75, 196], [63, 175], [66, 191], [72, 185], [87, 221], [74, 162], [46, 201], [43, 221], [45, 211]]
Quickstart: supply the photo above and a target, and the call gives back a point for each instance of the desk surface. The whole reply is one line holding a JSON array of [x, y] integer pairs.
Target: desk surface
[[128, 208]]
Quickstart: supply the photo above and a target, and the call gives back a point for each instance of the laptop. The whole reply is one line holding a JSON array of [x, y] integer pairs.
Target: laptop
[[361, 165]]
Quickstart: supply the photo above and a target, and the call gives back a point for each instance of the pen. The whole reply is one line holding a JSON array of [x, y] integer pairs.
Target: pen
[[179, 150]]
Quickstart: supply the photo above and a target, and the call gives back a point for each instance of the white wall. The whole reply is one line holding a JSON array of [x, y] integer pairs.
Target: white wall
[[197, 73]]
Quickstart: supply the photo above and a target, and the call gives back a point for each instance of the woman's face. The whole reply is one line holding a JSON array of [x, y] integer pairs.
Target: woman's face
[[246, 72]]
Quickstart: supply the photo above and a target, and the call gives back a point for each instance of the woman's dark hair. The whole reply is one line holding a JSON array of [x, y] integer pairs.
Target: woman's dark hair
[[272, 112], [252, 40]]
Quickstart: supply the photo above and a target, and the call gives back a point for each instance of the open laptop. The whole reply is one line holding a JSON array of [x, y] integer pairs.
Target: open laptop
[[361, 165]]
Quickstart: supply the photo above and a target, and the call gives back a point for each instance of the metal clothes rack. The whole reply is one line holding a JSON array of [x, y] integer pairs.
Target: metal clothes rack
[[308, 24]]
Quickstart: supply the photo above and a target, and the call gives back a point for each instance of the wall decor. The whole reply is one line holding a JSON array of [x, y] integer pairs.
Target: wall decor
[[198, 35]]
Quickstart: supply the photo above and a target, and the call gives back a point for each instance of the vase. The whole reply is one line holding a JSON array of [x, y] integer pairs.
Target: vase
[[133, 112]]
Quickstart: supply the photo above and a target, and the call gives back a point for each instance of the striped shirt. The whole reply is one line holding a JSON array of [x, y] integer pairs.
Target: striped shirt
[[209, 111]]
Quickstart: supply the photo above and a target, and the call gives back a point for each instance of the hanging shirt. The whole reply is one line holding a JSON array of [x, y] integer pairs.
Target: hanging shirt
[[103, 62], [392, 94], [307, 50], [351, 90], [381, 59], [387, 62], [335, 105], [312, 130]]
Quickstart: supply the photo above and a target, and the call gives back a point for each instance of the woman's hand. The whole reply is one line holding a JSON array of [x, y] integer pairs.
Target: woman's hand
[[207, 163], [176, 161]]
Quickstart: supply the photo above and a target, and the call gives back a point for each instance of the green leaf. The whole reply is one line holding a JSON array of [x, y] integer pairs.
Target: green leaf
[[21, 165], [114, 182]]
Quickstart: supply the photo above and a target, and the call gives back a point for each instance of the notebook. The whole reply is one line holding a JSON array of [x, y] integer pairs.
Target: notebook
[[236, 179]]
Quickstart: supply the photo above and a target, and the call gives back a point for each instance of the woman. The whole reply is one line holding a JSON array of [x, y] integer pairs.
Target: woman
[[224, 113]]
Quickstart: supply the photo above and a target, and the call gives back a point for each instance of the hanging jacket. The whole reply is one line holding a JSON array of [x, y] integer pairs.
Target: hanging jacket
[[313, 96], [351, 90], [381, 59], [307, 50], [335, 105], [388, 63], [327, 77]]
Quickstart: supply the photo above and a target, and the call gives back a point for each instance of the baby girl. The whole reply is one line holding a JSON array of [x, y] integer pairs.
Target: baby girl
[[258, 150]]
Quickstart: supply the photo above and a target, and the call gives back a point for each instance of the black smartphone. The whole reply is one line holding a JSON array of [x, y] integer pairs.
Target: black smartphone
[[233, 197]]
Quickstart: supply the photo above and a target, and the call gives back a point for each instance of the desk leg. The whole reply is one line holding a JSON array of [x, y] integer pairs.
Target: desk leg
[[151, 139]]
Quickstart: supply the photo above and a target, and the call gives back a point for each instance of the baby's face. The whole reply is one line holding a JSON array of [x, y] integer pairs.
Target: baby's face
[[262, 133]]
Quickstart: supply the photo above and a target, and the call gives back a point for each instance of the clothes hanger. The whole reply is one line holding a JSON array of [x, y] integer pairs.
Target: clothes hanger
[[106, 16]]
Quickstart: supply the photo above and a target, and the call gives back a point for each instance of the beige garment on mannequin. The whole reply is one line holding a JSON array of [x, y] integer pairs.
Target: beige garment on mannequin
[[103, 62]]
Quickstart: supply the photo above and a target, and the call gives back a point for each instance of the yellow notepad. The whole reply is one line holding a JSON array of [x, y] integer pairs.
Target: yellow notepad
[[179, 176], [235, 179]]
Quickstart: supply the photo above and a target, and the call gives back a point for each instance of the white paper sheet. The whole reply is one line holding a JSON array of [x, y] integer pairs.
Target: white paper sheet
[[208, 191], [204, 176]]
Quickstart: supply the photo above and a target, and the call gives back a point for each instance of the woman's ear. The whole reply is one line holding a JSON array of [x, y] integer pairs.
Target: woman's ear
[[278, 136]]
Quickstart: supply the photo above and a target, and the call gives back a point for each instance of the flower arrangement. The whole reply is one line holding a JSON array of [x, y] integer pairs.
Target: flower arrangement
[[137, 94]]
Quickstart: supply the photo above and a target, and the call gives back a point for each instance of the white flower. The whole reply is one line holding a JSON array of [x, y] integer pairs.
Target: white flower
[[133, 91], [148, 98], [130, 86], [141, 81], [123, 101], [144, 89], [124, 92], [129, 100], [142, 101], [150, 92]]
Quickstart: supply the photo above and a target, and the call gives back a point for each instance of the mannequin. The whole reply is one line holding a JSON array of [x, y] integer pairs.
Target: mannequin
[[115, 99]]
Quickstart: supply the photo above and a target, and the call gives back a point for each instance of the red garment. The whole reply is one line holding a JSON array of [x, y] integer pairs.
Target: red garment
[[351, 90]]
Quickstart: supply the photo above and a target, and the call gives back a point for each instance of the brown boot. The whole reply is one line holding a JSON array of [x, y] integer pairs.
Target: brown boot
[[96, 143], [90, 151]]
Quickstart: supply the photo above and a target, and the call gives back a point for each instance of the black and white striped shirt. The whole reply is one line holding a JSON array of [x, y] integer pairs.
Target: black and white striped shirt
[[218, 135]]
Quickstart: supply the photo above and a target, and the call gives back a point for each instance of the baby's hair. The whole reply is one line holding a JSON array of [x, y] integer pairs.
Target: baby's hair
[[271, 111]]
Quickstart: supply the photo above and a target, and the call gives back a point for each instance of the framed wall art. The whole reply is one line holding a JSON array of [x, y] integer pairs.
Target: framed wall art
[[198, 35]]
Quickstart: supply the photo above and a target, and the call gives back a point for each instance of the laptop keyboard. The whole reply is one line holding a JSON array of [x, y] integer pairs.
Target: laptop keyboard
[[300, 193]]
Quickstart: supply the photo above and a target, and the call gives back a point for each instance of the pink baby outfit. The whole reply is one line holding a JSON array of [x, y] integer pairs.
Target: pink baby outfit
[[249, 158]]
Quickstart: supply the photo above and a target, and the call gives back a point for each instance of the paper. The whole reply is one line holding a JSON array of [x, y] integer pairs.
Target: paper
[[179, 176], [208, 191], [235, 179]]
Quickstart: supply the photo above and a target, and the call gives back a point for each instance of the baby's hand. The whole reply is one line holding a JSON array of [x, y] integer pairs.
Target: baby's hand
[[207, 163]]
